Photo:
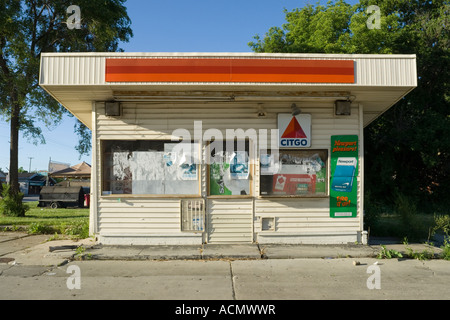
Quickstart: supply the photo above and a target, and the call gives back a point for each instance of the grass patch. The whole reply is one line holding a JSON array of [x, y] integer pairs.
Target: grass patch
[[73, 222]]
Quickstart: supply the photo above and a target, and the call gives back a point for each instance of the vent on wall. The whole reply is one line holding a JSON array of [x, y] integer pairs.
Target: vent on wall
[[268, 224], [112, 109], [192, 215], [343, 107]]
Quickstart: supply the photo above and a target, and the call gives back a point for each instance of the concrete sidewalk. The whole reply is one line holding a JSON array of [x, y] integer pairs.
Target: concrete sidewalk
[[36, 250], [20, 248]]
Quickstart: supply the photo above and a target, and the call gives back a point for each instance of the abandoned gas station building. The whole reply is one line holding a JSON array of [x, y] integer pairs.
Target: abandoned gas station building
[[272, 144]]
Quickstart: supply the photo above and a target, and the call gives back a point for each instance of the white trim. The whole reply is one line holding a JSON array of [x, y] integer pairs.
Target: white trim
[[361, 166], [226, 55], [93, 211]]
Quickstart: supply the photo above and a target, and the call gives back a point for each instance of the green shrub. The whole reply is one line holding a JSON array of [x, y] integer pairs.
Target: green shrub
[[442, 223], [372, 210], [388, 253], [406, 209], [11, 205], [446, 250]]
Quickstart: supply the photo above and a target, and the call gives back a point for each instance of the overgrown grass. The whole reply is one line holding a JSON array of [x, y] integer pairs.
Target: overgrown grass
[[72, 222], [393, 225], [402, 218]]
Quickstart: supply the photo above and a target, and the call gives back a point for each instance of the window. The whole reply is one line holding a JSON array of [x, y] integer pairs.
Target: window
[[229, 168], [150, 167], [294, 173]]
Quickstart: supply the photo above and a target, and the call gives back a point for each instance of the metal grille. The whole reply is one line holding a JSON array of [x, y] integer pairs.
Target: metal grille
[[193, 215]]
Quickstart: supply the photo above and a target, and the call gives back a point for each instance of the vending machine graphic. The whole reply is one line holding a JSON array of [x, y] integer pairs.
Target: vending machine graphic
[[344, 174]]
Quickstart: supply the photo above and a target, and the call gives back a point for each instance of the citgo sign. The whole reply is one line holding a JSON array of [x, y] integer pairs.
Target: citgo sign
[[295, 131]]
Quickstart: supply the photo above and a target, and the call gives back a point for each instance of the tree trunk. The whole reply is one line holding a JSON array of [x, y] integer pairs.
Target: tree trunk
[[14, 149]]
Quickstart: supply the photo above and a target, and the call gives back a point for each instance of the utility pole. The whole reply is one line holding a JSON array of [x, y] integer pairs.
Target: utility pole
[[29, 169]]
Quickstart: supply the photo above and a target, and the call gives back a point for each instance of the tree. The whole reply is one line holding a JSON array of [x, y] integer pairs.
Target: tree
[[407, 149], [30, 27]]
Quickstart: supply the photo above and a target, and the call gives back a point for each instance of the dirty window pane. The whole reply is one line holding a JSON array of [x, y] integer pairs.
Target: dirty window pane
[[294, 173], [150, 167]]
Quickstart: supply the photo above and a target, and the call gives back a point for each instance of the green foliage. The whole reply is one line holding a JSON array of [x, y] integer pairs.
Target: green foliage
[[419, 255], [320, 29], [74, 229], [408, 147], [78, 228], [11, 204], [388, 253], [70, 222], [40, 228], [446, 250], [406, 209], [84, 143], [442, 223]]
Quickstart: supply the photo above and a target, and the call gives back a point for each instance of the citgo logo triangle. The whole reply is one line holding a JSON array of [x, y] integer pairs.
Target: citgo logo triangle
[[294, 130]]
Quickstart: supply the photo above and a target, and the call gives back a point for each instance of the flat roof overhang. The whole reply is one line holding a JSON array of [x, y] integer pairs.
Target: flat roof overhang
[[77, 80]]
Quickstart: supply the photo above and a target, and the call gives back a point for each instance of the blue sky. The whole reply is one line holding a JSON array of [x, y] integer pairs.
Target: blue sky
[[165, 26]]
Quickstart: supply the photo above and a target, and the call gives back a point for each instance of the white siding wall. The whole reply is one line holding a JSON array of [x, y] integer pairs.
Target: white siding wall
[[143, 220], [230, 220], [307, 220]]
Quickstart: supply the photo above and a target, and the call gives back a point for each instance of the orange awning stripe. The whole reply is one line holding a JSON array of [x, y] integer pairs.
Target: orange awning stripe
[[230, 70]]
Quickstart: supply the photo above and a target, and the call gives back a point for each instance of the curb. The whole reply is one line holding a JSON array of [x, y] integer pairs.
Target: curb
[[225, 252]]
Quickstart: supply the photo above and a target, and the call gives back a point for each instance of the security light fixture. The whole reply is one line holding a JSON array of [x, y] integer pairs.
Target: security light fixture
[[343, 107], [295, 110], [261, 112]]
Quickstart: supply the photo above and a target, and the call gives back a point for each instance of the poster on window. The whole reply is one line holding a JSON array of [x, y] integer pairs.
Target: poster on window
[[150, 167], [344, 172], [147, 168], [224, 179], [296, 173], [121, 180], [181, 161], [269, 165], [239, 165]]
